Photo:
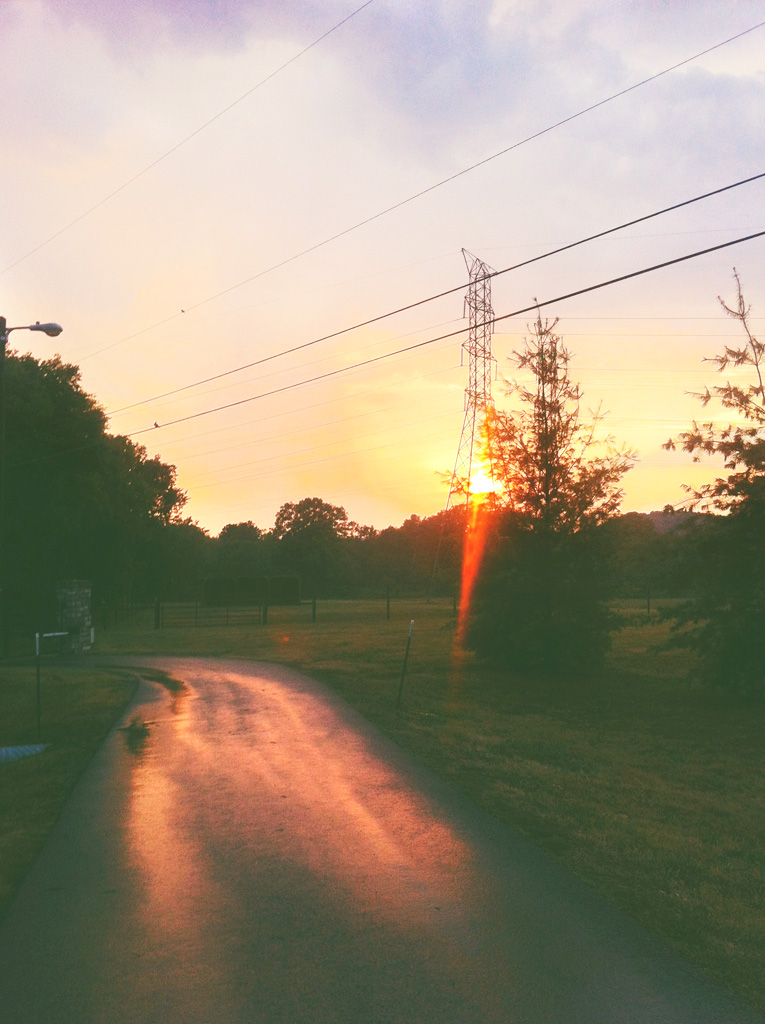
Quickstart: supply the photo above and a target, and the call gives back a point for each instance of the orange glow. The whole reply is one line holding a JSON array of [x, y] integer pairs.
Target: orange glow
[[481, 483], [325, 801], [472, 559]]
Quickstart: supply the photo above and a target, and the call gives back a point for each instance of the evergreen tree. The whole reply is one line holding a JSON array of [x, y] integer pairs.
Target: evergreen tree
[[541, 603]]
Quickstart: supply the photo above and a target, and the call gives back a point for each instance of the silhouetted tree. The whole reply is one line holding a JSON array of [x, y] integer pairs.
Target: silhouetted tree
[[315, 542], [313, 515], [241, 550], [79, 502], [724, 623], [179, 559], [541, 603]]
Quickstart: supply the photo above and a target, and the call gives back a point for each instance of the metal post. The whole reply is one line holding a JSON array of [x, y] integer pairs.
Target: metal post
[[37, 666], [403, 670], [38, 637]]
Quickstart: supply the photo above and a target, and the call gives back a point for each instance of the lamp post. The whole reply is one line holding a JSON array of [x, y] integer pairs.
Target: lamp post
[[53, 331]]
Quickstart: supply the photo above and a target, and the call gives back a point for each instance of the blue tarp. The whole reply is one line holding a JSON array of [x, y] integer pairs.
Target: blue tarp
[[16, 753]]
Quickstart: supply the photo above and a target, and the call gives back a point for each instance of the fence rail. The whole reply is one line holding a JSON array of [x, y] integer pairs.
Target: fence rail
[[169, 614]]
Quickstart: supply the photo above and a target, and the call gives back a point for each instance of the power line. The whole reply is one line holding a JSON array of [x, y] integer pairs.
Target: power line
[[313, 427], [274, 437], [430, 188], [315, 405], [291, 387], [452, 334], [276, 373], [316, 427], [183, 141], [439, 295]]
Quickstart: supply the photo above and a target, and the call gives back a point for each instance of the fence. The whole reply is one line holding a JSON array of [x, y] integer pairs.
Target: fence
[[169, 614]]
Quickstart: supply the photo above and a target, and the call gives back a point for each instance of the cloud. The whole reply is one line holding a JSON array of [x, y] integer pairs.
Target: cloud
[[136, 25], [133, 26]]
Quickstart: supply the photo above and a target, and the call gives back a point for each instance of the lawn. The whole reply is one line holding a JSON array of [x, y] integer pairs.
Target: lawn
[[78, 709], [645, 787]]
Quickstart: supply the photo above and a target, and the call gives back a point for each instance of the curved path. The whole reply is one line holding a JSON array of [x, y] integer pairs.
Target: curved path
[[267, 856]]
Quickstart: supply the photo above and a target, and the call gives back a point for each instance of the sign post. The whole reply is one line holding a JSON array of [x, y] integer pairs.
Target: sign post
[[37, 673], [38, 637]]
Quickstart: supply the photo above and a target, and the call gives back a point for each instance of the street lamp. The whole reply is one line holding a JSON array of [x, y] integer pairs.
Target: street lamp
[[53, 331]]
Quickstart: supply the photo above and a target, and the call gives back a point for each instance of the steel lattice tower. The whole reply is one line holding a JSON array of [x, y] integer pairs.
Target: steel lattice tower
[[478, 400]]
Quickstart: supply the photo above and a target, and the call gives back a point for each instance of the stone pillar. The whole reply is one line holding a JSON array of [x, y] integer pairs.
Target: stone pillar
[[74, 614]]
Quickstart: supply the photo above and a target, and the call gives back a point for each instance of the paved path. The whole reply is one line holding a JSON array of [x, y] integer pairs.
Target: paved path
[[268, 857]]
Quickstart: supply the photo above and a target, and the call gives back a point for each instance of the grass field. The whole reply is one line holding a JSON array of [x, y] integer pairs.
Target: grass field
[[78, 709], [646, 788]]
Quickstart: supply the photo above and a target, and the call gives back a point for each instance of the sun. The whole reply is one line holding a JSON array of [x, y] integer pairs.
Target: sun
[[481, 481]]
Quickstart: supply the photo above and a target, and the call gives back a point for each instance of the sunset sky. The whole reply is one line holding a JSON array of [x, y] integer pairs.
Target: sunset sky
[[398, 98]]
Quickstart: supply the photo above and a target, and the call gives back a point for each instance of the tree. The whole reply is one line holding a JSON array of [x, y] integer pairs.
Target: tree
[[541, 600], [79, 502], [313, 515], [723, 623], [241, 533], [242, 550], [314, 538]]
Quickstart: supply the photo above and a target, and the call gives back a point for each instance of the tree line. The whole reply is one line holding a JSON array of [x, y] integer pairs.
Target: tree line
[[80, 502]]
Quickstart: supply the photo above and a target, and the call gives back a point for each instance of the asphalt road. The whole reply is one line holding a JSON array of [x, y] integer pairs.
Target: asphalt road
[[266, 856]]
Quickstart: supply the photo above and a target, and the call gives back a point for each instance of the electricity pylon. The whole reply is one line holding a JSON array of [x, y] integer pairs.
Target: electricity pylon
[[478, 402]]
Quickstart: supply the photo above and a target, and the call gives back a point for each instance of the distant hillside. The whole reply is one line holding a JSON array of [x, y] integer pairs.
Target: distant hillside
[[669, 522]]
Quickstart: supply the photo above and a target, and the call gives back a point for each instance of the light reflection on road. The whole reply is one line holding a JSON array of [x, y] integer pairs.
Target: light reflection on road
[[250, 763]]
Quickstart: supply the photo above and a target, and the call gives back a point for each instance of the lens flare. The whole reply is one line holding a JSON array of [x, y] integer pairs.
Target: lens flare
[[481, 499]]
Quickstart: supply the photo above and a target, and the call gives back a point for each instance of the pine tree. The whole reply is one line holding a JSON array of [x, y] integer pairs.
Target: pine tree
[[542, 602]]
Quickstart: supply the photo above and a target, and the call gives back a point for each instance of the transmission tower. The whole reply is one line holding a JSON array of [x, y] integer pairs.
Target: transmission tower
[[477, 346], [478, 391]]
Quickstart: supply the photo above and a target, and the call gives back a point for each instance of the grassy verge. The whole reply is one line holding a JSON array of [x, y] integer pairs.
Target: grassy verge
[[646, 788], [78, 709]]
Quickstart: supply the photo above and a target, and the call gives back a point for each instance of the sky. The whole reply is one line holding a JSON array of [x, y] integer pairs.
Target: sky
[[174, 175]]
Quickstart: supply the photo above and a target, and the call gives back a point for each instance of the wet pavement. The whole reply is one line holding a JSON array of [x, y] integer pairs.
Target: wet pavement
[[262, 854]]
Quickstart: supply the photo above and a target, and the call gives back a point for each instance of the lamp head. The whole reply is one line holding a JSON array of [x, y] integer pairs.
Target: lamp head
[[52, 330]]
